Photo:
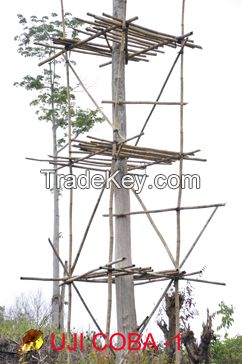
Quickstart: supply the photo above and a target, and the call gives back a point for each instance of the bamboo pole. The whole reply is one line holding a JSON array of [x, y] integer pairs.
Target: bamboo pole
[[42, 279], [203, 281], [62, 300], [70, 171], [111, 244], [144, 103], [166, 210], [179, 197]]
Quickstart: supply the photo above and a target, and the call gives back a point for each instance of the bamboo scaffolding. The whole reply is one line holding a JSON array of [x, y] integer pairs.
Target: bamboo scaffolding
[[138, 44]]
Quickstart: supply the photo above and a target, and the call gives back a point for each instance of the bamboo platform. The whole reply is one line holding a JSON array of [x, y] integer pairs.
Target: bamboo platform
[[137, 154], [141, 275], [98, 155], [138, 42]]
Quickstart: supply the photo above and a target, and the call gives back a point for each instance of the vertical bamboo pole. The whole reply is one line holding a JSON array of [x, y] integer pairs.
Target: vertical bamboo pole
[[56, 218], [70, 196], [178, 214], [71, 190], [125, 302], [62, 299], [110, 255]]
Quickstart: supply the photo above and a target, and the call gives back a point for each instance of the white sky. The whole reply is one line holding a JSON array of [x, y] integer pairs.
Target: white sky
[[212, 123]]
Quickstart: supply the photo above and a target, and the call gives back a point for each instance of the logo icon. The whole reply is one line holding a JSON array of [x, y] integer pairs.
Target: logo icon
[[32, 340]]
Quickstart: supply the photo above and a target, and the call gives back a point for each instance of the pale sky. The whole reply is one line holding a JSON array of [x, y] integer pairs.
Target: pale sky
[[213, 82]]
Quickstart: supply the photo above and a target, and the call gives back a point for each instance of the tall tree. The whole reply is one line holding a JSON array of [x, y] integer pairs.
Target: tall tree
[[50, 103], [126, 313]]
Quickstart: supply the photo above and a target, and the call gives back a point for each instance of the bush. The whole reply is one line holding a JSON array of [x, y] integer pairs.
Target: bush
[[228, 351]]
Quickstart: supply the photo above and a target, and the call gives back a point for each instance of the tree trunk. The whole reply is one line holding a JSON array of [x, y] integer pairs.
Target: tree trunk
[[125, 302], [200, 353], [170, 331]]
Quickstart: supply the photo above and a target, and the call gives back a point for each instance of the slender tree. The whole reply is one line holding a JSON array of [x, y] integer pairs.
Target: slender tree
[[50, 102]]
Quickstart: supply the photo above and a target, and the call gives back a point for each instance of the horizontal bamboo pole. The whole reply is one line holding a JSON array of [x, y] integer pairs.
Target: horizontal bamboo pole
[[203, 281], [110, 62], [150, 280], [117, 21], [144, 103], [166, 210], [42, 279], [129, 139], [115, 261], [95, 138]]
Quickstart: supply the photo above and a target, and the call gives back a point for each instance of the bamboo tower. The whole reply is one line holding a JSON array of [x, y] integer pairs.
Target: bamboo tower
[[122, 41]]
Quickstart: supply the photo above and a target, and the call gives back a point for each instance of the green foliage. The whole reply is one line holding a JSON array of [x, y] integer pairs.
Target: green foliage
[[41, 30], [26, 312], [226, 314], [51, 96], [228, 351]]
